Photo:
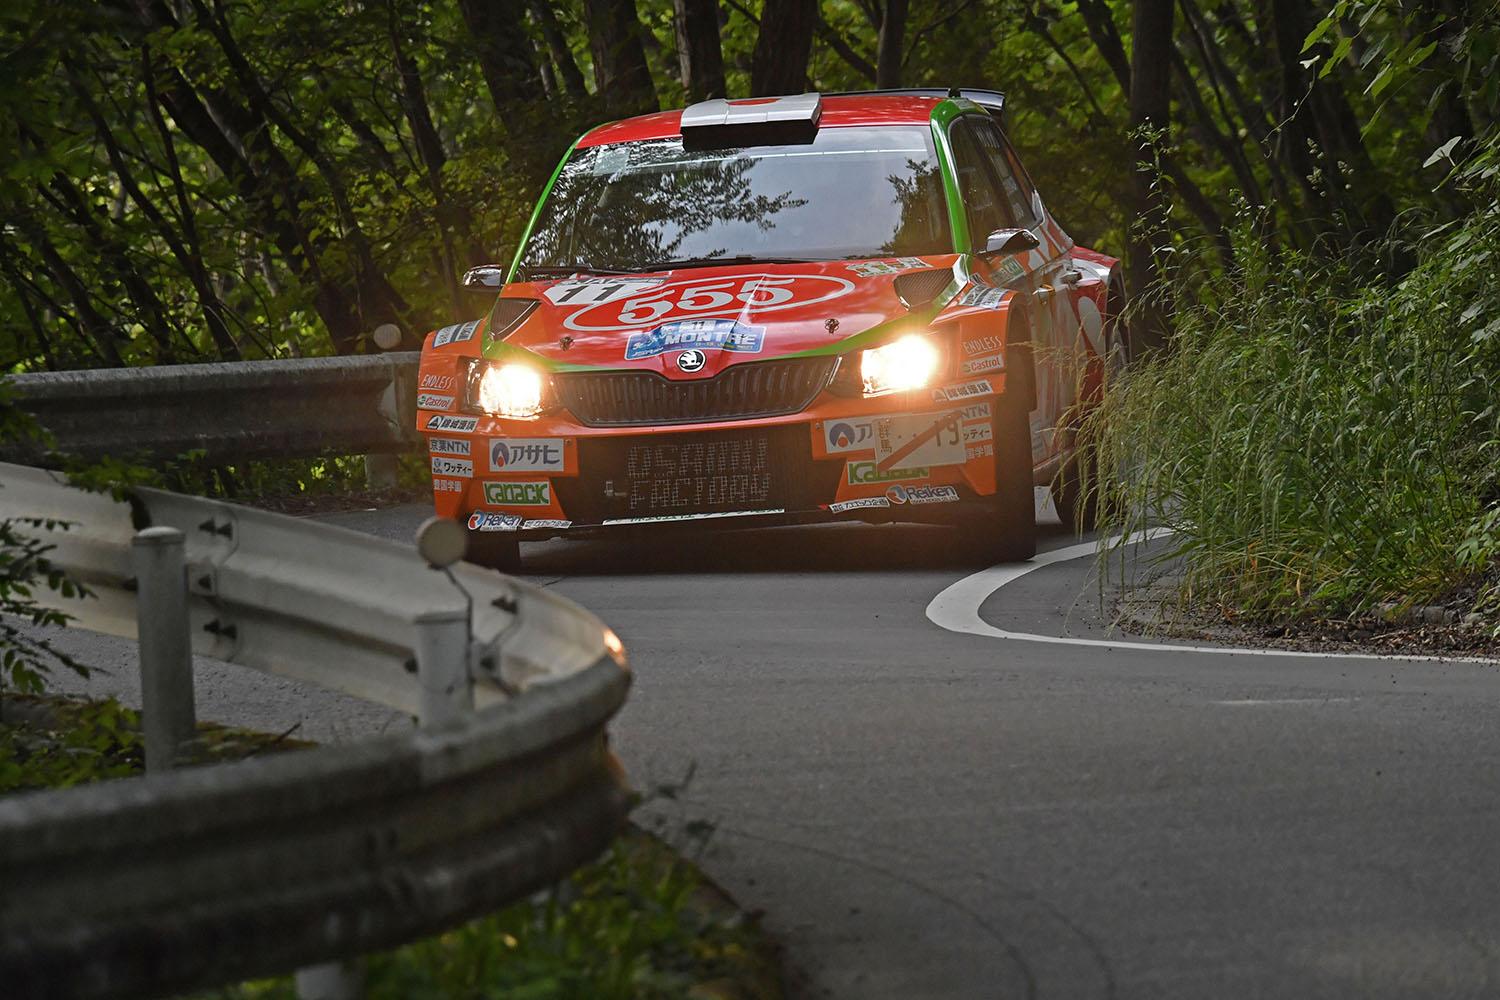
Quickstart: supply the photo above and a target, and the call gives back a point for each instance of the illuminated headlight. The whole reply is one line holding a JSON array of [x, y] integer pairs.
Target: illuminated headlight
[[909, 363], [506, 390]]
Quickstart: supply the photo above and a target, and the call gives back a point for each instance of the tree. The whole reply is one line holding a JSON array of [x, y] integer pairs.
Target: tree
[[889, 45], [621, 74], [1150, 124], [698, 51], [782, 48]]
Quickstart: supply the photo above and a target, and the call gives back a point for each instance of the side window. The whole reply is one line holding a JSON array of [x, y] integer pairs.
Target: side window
[[984, 203], [1012, 178]]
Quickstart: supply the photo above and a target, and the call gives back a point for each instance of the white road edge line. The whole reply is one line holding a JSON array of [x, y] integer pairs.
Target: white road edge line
[[956, 609]]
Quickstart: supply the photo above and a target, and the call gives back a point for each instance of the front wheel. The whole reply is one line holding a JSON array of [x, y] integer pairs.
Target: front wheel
[[1005, 531]]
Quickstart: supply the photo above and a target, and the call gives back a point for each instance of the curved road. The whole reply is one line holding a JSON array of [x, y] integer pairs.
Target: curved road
[[922, 813]]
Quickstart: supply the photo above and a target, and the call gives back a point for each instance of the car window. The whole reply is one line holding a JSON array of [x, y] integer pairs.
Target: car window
[[983, 202], [1012, 179], [851, 193]]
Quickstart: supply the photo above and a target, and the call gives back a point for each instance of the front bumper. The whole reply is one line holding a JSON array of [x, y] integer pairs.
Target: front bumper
[[921, 456]]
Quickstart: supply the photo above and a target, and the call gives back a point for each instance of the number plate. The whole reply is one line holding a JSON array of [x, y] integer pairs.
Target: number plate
[[912, 441]]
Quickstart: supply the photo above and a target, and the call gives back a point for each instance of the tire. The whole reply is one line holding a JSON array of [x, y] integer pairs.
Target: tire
[[495, 550], [1006, 530], [1075, 492]]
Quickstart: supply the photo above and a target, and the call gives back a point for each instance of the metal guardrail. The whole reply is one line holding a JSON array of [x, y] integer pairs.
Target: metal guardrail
[[245, 409], [205, 875]]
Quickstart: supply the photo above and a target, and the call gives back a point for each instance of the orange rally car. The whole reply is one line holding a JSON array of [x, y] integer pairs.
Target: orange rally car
[[778, 310]]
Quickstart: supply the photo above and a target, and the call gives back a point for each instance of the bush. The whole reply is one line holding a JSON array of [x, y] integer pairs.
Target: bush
[[1319, 442]]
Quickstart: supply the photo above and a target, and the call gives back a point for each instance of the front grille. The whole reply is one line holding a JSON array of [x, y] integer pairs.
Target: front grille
[[696, 472], [740, 392]]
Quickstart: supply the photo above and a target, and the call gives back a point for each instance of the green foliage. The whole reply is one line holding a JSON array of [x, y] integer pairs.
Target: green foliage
[[26, 657], [84, 741], [623, 928], [1320, 443]]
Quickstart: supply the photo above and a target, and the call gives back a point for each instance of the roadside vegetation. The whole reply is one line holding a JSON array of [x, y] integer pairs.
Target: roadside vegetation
[[1323, 431]]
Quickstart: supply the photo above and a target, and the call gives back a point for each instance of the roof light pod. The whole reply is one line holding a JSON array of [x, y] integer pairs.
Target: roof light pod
[[756, 121]]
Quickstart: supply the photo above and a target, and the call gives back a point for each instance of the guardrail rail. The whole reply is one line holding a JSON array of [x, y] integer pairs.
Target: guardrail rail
[[199, 876]]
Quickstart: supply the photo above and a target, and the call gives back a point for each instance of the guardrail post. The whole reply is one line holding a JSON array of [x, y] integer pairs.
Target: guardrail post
[[156, 556], [381, 472], [443, 667]]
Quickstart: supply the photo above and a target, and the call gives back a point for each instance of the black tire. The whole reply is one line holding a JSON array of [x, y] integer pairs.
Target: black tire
[[1006, 530], [1075, 492], [496, 550]]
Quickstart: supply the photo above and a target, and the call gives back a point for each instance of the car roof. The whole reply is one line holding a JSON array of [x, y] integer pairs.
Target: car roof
[[838, 111]]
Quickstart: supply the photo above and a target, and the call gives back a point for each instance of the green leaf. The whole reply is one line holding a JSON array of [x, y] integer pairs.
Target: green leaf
[[1316, 35], [1382, 80]]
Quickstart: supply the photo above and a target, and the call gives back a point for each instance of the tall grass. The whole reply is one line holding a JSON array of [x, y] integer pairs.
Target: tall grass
[[1321, 443]]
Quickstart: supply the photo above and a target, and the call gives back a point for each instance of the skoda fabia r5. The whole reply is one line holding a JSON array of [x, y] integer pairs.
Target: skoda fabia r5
[[779, 310]]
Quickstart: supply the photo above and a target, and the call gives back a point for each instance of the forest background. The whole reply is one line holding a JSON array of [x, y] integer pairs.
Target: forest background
[[1303, 191]]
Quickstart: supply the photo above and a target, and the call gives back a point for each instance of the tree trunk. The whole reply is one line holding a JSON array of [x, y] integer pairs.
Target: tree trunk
[[783, 47], [889, 45], [698, 51], [499, 39], [1150, 120], [557, 45], [621, 75]]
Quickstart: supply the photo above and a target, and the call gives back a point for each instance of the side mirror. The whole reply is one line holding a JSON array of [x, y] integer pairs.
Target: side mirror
[[1011, 241], [484, 278]]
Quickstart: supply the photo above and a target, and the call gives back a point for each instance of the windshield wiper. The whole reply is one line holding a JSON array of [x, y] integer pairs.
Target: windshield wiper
[[555, 270]]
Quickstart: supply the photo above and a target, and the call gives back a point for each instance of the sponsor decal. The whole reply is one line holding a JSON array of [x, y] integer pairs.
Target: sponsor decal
[[921, 494], [489, 520], [545, 522], [592, 291], [868, 472], [433, 401], [978, 432], [455, 334], [849, 435], [981, 450], [843, 505], [697, 335], [691, 361], [526, 455], [448, 446], [962, 391], [873, 268], [441, 422], [978, 366], [705, 297], [983, 345], [983, 297], [442, 465], [976, 411], [442, 383], [519, 494], [448, 485], [1009, 270]]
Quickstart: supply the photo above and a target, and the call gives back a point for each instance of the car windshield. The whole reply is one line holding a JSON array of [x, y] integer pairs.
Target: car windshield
[[850, 193]]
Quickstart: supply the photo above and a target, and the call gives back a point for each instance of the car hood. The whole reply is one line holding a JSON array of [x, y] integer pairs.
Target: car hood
[[729, 314]]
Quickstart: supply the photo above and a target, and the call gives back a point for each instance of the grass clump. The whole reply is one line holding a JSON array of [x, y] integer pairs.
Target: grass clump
[[638, 924], [1322, 443]]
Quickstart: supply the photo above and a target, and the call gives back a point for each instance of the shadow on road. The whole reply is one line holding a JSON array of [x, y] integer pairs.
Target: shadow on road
[[838, 548]]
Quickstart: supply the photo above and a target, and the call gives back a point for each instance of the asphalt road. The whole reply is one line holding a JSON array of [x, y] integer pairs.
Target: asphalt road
[[927, 814]]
